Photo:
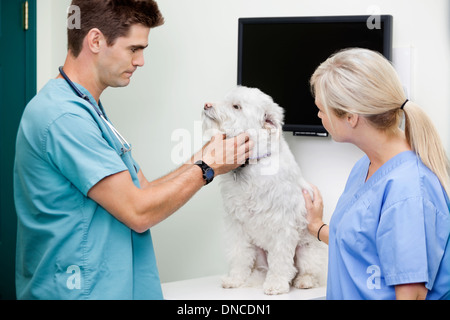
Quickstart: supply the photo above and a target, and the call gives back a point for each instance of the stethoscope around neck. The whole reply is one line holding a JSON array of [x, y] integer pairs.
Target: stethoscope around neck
[[126, 147]]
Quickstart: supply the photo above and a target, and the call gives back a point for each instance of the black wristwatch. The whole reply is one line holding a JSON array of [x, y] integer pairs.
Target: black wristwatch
[[208, 172]]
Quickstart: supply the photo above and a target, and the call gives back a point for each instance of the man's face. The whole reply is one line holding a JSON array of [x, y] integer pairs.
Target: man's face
[[118, 62]]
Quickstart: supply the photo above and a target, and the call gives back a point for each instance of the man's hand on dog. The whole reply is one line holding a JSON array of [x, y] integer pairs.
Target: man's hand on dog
[[224, 155]]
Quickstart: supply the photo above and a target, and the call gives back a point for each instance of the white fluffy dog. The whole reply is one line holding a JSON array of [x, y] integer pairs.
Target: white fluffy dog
[[265, 210]]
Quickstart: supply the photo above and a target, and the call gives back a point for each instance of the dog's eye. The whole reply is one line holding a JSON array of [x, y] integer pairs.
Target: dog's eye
[[237, 107]]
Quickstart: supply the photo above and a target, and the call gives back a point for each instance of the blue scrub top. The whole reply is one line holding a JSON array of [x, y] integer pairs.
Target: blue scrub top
[[69, 247], [393, 229]]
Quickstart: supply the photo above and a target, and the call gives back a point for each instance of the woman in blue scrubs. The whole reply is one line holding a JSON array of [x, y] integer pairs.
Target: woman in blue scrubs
[[389, 234]]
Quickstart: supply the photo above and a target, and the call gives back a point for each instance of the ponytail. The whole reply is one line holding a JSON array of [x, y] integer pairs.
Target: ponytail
[[424, 139]]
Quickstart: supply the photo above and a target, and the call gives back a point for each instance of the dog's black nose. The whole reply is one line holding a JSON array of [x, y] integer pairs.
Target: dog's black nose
[[208, 106]]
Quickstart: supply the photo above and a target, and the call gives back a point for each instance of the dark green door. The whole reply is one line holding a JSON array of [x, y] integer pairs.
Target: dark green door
[[17, 87]]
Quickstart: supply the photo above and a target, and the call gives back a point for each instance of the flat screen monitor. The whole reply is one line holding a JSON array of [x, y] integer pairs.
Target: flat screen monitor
[[279, 56]]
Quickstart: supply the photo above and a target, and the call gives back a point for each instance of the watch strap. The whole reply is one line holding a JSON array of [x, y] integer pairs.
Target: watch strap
[[208, 172]]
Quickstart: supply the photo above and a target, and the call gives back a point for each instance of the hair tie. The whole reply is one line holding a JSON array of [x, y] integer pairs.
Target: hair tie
[[403, 105]]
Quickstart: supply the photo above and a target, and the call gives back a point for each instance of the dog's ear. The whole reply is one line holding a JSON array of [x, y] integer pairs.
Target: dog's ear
[[273, 118]]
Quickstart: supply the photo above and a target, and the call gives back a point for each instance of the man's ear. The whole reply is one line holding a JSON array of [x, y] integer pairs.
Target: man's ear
[[95, 40]]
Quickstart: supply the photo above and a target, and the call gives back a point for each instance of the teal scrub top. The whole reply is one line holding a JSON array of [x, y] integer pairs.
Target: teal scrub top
[[393, 229], [69, 247]]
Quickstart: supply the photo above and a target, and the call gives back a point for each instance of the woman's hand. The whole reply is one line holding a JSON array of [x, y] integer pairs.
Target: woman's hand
[[315, 214]]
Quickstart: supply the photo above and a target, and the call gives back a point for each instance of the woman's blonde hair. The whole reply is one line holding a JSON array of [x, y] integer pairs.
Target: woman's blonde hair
[[363, 82]]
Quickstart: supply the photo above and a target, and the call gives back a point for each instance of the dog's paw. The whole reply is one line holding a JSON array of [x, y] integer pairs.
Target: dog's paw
[[232, 282], [272, 287], [306, 281]]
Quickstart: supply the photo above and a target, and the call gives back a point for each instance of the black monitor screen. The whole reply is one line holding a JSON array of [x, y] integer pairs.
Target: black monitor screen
[[279, 55]]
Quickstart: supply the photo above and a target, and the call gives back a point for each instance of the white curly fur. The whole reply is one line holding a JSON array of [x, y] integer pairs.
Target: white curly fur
[[267, 232]]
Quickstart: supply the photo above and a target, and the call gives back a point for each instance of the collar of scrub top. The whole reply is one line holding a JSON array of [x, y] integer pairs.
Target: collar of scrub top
[[126, 147]]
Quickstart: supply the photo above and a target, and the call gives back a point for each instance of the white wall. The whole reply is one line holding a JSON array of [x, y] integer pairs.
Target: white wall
[[51, 38], [193, 59]]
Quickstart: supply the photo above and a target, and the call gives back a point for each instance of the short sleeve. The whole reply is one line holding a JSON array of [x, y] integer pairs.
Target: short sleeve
[[410, 243], [75, 146]]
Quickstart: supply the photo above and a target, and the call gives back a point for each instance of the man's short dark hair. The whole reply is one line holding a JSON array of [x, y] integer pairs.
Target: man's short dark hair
[[113, 18]]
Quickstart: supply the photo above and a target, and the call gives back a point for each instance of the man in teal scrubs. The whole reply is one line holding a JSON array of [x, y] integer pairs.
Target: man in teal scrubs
[[84, 206]]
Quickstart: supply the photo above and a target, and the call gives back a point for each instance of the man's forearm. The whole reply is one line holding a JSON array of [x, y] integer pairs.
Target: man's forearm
[[141, 209], [171, 175], [180, 170], [162, 200]]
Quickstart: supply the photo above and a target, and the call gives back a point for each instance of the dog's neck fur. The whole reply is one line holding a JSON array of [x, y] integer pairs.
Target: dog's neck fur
[[264, 150], [254, 160], [265, 147], [259, 157], [251, 161]]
